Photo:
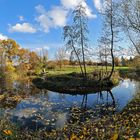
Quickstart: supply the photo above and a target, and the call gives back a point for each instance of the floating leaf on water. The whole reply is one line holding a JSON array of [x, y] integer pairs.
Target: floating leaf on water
[[115, 137], [74, 137], [131, 139], [53, 119], [7, 132], [81, 137], [96, 129]]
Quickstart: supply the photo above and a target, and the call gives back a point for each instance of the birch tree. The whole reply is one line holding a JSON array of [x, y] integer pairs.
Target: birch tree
[[110, 28], [81, 31]]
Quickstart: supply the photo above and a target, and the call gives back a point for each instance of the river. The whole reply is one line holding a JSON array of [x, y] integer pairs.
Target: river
[[42, 109]]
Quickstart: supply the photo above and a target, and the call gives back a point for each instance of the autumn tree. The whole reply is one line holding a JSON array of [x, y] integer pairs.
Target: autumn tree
[[9, 51], [10, 48], [29, 61], [9, 54], [15, 59], [33, 60], [2, 60], [136, 63], [60, 56], [116, 61]]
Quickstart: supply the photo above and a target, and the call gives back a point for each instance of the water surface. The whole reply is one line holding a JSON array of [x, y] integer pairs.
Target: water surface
[[50, 110]]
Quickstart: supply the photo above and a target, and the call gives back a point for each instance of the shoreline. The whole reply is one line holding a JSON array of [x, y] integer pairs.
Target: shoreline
[[72, 85]]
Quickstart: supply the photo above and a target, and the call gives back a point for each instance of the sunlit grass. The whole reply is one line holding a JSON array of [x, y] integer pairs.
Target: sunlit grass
[[70, 69]]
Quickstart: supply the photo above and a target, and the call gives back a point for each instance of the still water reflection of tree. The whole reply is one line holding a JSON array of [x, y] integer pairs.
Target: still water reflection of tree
[[13, 91], [101, 97]]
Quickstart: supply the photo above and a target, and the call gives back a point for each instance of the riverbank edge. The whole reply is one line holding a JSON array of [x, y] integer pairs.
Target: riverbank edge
[[130, 73], [73, 85]]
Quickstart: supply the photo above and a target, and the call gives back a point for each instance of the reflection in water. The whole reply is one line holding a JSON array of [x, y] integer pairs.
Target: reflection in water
[[33, 108], [12, 92], [101, 97]]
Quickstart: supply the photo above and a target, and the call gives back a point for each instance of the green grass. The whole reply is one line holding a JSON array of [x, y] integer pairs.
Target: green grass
[[70, 69]]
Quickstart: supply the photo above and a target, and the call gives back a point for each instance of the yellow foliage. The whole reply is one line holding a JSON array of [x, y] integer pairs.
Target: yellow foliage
[[81, 136], [115, 137], [74, 137], [1, 97], [9, 67], [7, 132], [16, 98], [131, 139]]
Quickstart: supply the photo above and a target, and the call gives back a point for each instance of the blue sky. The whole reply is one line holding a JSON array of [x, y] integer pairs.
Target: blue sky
[[39, 23]]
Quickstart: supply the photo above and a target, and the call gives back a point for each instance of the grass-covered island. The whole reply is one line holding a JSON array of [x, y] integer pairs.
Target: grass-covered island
[[68, 81]]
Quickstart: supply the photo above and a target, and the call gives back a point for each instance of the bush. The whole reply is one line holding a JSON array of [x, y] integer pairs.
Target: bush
[[51, 66]]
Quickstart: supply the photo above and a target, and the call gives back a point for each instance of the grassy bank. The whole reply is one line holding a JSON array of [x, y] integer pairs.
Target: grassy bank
[[130, 73], [69, 80], [75, 83]]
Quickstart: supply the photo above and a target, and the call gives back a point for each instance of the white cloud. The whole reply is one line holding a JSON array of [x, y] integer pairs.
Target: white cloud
[[101, 5], [88, 11], [98, 4], [46, 47], [37, 49], [125, 84], [44, 22], [3, 37], [41, 49], [27, 112], [21, 18], [24, 28], [56, 17], [40, 9], [71, 3]]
